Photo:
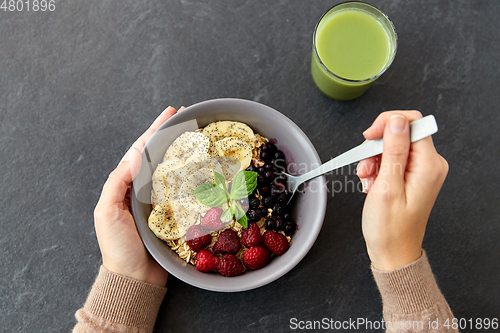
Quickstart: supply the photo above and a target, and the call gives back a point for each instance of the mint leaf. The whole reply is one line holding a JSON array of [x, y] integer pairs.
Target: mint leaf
[[243, 221], [210, 195], [220, 180], [238, 211], [226, 216], [243, 184]]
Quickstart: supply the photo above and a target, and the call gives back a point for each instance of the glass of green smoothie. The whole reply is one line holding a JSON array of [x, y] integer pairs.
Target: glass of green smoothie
[[353, 44]]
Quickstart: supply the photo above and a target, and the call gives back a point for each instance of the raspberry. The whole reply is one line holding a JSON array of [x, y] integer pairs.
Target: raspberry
[[275, 242], [211, 221], [256, 257], [229, 265], [251, 236], [228, 242], [206, 261], [197, 238]]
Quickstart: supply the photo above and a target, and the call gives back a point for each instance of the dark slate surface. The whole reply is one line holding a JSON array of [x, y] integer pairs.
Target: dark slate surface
[[79, 84]]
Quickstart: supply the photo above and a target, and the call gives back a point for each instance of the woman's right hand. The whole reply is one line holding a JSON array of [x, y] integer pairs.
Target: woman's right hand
[[402, 185]]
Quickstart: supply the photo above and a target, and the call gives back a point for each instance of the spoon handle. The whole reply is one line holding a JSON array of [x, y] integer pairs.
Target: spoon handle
[[419, 129]]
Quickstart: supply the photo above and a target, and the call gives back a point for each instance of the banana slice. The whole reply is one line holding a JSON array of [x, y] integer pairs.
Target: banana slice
[[224, 129], [186, 145], [192, 168], [217, 130], [230, 166], [242, 131], [158, 180], [186, 196], [236, 148], [167, 225], [199, 157]]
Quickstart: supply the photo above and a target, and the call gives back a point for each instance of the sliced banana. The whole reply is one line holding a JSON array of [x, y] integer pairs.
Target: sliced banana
[[242, 131], [167, 225], [185, 219], [162, 223], [186, 145], [230, 166], [192, 168], [236, 148], [159, 182], [219, 130], [186, 196], [166, 166], [199, 157]]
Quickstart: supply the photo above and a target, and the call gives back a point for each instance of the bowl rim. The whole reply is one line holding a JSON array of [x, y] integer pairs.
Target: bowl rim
[[178, 272]]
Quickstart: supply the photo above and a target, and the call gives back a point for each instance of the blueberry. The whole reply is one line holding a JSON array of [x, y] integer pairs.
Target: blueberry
[[244, 202], [279, 155], [280, 178], [280, 224], [270, 224], [290, 228], [277, 189], [264, 211], [269, 175], [287, 217], [283, 199], [261, 178], [268, 201], [269, 167], [269, 147], [254, 215], [254, 202], [278, 210], [264, 189], [265, 156], [279, 164], [252, 168]]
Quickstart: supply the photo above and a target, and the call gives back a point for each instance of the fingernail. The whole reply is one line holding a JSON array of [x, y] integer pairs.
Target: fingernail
[[364, 182], [397, 123]]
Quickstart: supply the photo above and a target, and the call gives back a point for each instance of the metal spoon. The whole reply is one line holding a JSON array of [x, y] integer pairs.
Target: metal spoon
[[419, 129]]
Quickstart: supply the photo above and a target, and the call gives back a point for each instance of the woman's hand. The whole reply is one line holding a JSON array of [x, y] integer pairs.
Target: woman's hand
[[121, 247], [402, 185]]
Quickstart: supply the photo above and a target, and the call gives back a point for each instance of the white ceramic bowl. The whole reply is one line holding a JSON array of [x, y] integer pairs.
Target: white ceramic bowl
[[308, 210]]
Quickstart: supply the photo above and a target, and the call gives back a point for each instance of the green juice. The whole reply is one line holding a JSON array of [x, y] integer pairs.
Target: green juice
[[352, 48]]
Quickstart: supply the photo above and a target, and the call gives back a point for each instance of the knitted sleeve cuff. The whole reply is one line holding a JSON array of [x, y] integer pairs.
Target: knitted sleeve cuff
[[123, 300], [408, 289]]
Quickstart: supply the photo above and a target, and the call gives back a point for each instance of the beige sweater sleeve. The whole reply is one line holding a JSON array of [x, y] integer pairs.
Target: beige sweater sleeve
[[411, 299], [118, 303]]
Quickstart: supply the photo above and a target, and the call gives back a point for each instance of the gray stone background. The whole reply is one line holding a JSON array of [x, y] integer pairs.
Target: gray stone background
[[81, 83]]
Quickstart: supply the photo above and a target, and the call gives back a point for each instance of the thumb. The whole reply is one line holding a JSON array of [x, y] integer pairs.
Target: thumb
[[115, 188], [395, 156]]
